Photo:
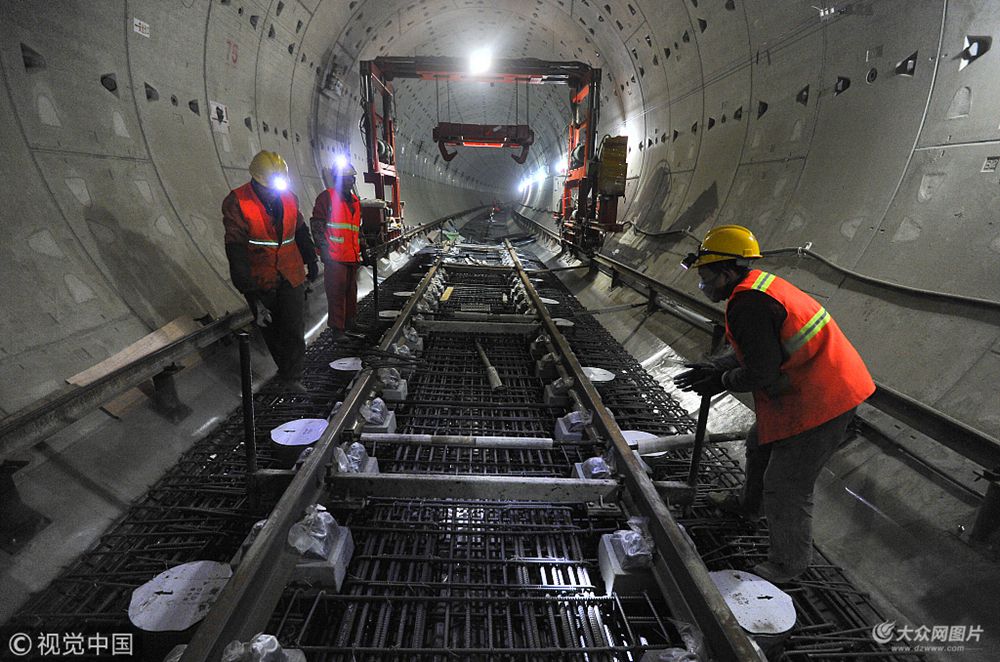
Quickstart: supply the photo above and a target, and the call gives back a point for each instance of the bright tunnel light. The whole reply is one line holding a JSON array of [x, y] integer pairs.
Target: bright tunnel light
[[279, 183], [340, 161], [480, 61]]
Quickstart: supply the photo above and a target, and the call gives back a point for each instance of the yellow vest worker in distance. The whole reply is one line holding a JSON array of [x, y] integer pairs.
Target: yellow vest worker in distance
[[806, 379], [269, 249], [336, 229]]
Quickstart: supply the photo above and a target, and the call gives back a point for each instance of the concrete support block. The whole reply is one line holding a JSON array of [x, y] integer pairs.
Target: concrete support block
[[388, 427], [397, 394], [616, 578], [554, 399], [563, 433], [328, 572]]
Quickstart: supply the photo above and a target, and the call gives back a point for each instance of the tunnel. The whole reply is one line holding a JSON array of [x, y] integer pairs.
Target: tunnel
[[858, 141]]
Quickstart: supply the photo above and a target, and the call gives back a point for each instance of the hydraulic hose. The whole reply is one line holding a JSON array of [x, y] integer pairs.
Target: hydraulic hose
[[805, 251]]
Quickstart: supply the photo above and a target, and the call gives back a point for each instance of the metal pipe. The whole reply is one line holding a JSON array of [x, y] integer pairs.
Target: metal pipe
[[699, 438], [246, 380], [458, 440], [679, 441], [491, 373], [718, 333]]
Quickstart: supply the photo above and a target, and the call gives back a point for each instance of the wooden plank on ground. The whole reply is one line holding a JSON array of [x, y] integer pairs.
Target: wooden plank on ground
[[123, 403], [162, 337]]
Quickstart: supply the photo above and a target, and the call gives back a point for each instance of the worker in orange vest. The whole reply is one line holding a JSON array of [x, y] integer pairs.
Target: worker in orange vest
[[269, 251], [336, 229], [806, 379]]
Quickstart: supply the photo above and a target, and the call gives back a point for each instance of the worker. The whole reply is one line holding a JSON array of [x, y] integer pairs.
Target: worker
[[270, 252], [806, 379], [336, 230]]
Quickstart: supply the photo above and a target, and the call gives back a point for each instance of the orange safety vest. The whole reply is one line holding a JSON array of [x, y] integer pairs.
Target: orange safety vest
[[271, 256], [342, 228], [826, 376]]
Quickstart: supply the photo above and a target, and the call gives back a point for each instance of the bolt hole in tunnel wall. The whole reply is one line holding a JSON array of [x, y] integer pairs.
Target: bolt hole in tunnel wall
[[892, 178], [116, 159]]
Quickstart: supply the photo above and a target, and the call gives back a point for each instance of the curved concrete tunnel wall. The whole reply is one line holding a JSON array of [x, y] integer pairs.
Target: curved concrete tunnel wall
[[749, 119], [731, 106]]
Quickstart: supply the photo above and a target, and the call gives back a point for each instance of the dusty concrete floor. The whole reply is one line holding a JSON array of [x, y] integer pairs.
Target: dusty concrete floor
[[84, 477], [893, 527]]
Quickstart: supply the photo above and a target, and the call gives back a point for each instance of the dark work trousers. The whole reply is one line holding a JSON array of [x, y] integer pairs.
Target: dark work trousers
[[284, 335], [341, 280], [780, 476]]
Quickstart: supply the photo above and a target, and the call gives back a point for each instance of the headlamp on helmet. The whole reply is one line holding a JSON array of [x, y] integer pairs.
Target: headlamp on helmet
[[270, 170]]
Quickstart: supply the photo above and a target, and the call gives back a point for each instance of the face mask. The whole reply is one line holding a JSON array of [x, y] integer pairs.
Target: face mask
[[712, 288]]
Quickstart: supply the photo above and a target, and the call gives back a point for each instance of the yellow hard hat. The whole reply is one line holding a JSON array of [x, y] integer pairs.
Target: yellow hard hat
[[270, 170], [726, 242]]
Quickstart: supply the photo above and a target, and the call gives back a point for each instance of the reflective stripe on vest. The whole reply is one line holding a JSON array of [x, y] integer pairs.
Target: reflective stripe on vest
[[807, 332], [343, 226], [271, 243], [804, 333]]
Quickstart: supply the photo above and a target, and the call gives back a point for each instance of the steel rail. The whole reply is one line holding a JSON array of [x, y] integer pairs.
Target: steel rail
[[967, 441], [687, 571], [386, 246], [28, 425], [38, 421], [250, 596]]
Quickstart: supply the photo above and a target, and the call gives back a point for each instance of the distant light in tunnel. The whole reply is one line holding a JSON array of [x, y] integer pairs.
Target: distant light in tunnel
[[480, 61], [340, 161], [560, 167]]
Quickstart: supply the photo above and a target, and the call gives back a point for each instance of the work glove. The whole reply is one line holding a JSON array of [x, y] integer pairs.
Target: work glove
[[312, 270], [702, 378], [261, 315]]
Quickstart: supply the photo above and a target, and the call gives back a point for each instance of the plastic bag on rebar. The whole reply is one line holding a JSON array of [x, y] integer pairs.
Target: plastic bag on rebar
[[356, 456], [313, 536], [402, 351], [410, 334], [694, 640], [562, 385], [636, 544], [596, 467], [262, 648], [577, 420], [389, 377], [374, 411]]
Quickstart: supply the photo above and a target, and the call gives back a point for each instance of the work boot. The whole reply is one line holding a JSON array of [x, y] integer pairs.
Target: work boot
[[339, 335], [775, 572], [355, 330], [293, 386], [730, 503]]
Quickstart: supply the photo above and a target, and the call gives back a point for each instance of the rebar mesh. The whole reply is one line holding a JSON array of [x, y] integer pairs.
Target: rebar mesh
[[472, 580]]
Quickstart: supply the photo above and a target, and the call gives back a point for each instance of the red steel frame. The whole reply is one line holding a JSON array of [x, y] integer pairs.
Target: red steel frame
[[579, 192], [376, 87]]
